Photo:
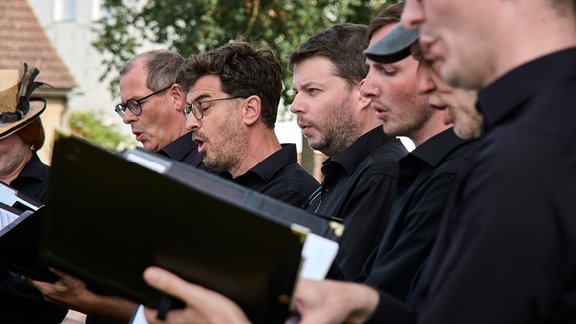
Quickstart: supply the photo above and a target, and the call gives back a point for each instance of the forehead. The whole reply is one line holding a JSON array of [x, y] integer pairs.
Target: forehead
[[133, 83], [320, 63], [314, 69], [205, 87]]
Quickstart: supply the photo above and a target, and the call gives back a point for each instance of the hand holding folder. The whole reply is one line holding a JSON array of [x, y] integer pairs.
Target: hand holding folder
[[128, 216]]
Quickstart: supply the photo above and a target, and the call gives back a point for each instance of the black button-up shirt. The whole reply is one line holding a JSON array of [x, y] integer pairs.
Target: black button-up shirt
[[506, 251], [359, 187], [427, 177], [280, 176]]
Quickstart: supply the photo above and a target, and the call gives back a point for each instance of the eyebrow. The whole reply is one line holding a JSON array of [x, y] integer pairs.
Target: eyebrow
[[200, 97], [305, 84]]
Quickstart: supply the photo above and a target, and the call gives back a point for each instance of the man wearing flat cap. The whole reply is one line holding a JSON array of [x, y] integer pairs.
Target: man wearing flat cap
[[21, 136], [428, 175]]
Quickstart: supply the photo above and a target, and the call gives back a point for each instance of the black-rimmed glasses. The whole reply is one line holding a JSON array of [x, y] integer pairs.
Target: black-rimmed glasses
[[197, 109], [135, 105]]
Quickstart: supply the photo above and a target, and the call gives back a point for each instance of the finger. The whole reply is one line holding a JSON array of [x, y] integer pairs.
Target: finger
[[59, 273], [168, 282], [151, 315]]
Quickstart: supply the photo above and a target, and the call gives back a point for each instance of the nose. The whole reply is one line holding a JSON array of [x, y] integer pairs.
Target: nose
[[413, 14], [369, 87], [297, 106], [192, 123], [129, 117]]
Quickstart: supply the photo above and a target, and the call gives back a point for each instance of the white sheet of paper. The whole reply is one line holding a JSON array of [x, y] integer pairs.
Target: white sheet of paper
[[9, 196], [138, 317], [318, 254], [6, 218]]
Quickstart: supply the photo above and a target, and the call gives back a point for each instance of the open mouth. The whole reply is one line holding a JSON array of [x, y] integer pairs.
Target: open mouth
[[199, 143], [137, 135]]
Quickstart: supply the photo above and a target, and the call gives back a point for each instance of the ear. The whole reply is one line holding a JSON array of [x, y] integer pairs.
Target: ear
[[177, 97], [363, 102], [252, 108]]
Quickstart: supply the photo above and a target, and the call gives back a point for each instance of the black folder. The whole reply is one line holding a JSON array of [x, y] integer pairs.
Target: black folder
[[108, 218], [19, 239]]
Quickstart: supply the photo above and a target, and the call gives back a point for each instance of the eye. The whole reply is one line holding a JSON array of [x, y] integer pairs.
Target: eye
[[203, 106], [313, 90], [385, 69]]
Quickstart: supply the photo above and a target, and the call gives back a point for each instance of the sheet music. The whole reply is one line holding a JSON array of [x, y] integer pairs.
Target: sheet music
[[9, 196], [6, 217]]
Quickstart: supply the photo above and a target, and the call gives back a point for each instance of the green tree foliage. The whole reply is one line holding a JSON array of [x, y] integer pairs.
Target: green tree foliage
[[90, 126], [190, 27]]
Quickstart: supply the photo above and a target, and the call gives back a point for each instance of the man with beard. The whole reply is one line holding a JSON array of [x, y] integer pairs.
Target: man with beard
[[233, 93], [360, 175]]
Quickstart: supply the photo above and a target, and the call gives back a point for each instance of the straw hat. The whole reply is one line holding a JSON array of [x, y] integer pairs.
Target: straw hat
[[17, 107]]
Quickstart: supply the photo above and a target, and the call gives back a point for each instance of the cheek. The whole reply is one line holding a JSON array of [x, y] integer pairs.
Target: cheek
[[402, 93]]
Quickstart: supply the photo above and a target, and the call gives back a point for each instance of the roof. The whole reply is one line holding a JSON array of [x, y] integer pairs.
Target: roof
[[22, 39]]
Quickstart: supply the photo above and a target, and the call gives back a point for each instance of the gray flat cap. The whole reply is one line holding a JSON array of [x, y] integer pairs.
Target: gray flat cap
[[393, 47]]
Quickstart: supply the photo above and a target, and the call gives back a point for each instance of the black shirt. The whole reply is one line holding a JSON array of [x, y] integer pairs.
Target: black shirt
[[427, 177], [280, 176], [359, 187], [183, 149], [506, 250], [32, 179], [21, 302]]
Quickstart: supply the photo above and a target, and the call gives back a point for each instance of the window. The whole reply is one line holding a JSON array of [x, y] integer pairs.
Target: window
[[64, 10]]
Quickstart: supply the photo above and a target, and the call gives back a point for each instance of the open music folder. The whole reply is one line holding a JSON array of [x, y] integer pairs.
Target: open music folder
[[109, 216], [21, 220]]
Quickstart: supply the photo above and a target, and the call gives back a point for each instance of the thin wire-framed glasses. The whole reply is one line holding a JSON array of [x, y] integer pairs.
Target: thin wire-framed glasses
[[135, 105], [198, 110]]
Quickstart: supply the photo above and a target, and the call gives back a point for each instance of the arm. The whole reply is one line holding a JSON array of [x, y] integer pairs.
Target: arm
[[72, 293], [202, 305]]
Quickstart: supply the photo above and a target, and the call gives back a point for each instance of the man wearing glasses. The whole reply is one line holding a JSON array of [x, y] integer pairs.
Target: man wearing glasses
[[232, 98], [152, 105]]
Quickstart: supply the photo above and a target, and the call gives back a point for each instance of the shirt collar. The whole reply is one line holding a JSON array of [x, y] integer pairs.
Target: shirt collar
[[267, 168], [34, 169], [435, 149], [357, 152], [179, 148], [504, 96]]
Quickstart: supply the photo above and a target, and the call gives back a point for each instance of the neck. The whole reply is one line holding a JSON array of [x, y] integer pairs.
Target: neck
[[430, 130], [260, 146], [8, 175]]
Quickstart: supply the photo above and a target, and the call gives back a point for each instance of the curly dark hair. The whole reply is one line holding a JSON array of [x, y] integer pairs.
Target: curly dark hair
[[244, 70]]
